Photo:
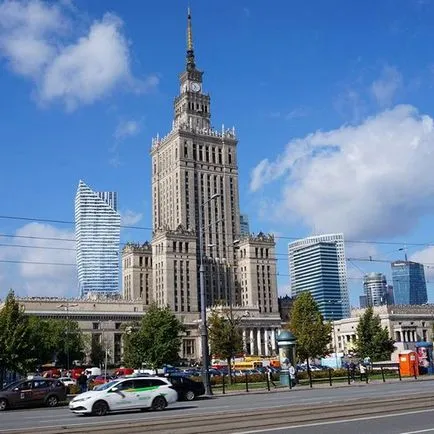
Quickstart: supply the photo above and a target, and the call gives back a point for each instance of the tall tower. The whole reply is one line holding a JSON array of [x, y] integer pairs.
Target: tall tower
[[97, 233], [194, 172]]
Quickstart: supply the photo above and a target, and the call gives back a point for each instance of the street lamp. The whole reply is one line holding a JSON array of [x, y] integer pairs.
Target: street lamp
[[203, 325], [66, 307]]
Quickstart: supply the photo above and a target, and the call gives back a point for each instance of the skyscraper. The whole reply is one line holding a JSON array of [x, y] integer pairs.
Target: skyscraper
[[244, 225], [97, 233], [195, 204], [409, 286], [317, 264], [375, 289]]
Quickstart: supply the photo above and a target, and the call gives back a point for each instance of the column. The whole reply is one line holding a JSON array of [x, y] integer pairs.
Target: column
[[266, 352], [258, 341], [244, 340], [273, 340], [252, 342]]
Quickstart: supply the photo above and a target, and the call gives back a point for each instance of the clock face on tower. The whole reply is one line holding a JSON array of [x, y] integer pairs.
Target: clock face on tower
[[195, 87]]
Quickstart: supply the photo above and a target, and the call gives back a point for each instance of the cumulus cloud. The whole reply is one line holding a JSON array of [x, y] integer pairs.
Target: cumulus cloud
[[386, 86], [426, 257], [33, 255], [369, 180], [39, 40], [127, 128], [129, 217]]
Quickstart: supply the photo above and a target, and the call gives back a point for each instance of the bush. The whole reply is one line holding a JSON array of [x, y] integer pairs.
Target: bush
[[302, 375], [73, 389]]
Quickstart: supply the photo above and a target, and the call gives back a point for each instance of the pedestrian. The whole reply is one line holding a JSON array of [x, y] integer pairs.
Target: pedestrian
[[362, 369], [292, 376], [270, 376], [352, 369], [82, 382]]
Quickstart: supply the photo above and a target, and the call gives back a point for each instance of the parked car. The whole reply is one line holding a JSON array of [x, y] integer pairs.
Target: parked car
[[187, 388], [33, 392], [126, 394]]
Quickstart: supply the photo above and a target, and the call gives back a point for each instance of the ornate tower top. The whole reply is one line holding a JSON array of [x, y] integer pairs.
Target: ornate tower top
[[190, 50]]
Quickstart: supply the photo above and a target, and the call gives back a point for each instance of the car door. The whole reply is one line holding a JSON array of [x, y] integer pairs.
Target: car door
[[122, 396], [22, 394], [144, 391], [39, 390]]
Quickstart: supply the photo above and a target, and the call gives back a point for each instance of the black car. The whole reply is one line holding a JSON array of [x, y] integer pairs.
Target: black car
[[187, 388]]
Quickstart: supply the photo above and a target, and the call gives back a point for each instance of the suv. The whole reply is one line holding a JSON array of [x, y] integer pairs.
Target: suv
[[125, 394], [187, 388], [37, 391]]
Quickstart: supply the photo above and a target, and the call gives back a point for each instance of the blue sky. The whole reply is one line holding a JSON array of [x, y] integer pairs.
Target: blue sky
[[331, 101]]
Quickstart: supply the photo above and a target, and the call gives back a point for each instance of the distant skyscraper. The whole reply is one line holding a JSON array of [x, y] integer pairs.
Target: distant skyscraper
[[409, 286], [244, 225], [317, 264], [375, 289], [97, 233]]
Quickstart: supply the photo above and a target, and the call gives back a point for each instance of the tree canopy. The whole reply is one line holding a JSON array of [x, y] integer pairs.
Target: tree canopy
[[307, 324], [372, 339], [155, 341]]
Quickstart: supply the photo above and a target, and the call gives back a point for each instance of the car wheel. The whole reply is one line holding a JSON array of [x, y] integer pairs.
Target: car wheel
[[3, 404], [189, 395], [52, 401], [100, 408], [159, 403]]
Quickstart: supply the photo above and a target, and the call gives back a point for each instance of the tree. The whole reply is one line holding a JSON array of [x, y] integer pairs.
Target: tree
[[155, 341], [307, 323], [15, 346], [373, 340], [225, 336], [97, 353]]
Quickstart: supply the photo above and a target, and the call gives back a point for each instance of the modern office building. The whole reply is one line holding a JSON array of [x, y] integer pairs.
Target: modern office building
[[317, 264], [244, 225], [409, 285], [375, 289], [97, 233]]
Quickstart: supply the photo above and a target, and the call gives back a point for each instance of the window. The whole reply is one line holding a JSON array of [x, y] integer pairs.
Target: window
[[40, 384], [125, 385], [95, 325]]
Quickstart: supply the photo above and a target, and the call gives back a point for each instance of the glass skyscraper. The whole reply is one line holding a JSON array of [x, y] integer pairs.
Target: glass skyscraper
[[244, 225], [375, 289], [97, 233], [409, 285], [317, 264]]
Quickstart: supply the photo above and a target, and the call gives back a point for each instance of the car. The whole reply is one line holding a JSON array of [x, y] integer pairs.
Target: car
[[187, 388], [126, 394], [68, 381], [33, 392]]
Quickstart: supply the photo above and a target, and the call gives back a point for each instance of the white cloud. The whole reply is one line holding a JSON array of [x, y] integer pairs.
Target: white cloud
[[126, 129], [33, 252], [426, 257], [385, 88], [369, 180], [130, 217], [40, 42]]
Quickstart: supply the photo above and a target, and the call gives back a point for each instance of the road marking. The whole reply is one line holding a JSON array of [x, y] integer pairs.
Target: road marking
[[419, 431], [332, 422]]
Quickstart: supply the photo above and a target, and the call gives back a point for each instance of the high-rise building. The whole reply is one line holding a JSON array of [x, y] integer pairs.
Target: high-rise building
[[409, 285], [97, 233], [375, 289], [244, 225], [195, 205], [317, 264]]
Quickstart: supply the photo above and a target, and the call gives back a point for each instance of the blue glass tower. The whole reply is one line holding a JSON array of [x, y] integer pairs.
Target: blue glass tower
[[409, 285]]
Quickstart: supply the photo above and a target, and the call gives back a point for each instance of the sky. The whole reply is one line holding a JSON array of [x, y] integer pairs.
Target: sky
[[332, 103]]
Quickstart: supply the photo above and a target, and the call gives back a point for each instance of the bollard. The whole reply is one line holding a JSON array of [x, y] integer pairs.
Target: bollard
[[414, 370], [367, 379], [268, 380], [310, 378], [223, 384], [290, 383], [330, 377], [247, 383], [348, 374], [399, 373], [382, 374]]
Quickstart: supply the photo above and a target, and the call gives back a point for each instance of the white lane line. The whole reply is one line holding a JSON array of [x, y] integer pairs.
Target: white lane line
[[418, 431], [335, 422]]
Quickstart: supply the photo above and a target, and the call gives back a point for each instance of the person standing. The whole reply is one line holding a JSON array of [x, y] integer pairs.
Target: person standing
[[82, 382], [270, 376], [292, 378]]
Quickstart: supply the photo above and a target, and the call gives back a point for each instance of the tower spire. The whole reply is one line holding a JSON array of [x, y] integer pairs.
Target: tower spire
[[190, 50]]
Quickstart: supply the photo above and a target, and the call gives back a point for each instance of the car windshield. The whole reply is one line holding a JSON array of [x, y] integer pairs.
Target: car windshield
[[11, 385], [106, 385]]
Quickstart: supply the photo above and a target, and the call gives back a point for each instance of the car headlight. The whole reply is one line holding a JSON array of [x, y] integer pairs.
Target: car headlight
[[81, 399]]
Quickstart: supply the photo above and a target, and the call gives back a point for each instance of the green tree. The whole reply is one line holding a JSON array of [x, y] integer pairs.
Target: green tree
[[373, 340], [155, 341], [225, 336], [15, 346], [97, 353], [307, 323]]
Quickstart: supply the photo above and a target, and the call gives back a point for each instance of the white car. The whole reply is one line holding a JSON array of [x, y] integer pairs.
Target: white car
[[126, 394], [67, 381]]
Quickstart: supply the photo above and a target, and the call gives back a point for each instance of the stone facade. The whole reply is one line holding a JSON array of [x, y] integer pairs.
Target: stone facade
[[406, 325]]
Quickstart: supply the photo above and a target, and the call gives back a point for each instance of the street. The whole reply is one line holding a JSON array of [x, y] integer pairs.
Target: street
[[277, 412]]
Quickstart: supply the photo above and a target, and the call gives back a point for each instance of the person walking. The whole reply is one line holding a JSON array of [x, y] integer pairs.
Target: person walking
[[82, 382], [362, 369], [352, 369], [292, 377], [270, 376]]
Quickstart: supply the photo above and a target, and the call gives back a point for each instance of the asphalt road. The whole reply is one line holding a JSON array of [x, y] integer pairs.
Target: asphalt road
[[46, 420]]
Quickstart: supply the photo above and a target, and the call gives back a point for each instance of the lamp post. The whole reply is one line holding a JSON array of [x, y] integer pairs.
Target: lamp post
[[66, 308], [203, 325]]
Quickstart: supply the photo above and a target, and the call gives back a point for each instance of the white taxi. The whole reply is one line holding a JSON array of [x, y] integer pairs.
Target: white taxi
[[125, 394]]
